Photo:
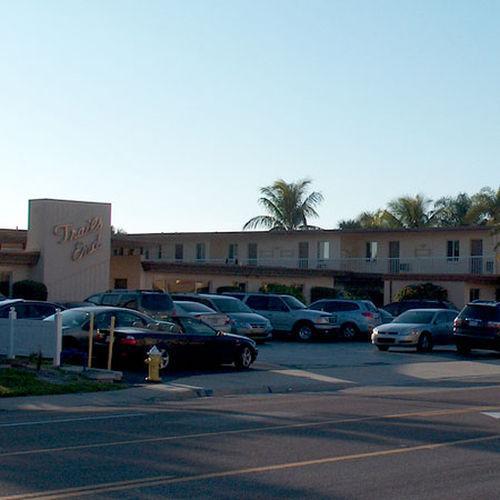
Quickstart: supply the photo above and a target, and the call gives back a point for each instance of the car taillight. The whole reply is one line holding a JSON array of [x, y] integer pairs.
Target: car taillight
[[458, 322], [128, 340], [367, 314], [494, 325]]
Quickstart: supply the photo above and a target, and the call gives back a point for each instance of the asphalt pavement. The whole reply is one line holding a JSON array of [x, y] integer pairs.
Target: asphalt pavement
[[421, 426]]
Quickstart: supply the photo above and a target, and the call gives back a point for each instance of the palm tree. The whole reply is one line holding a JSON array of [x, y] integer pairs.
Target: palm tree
[[411, 212], [452, 212], [485, 207], [288, 206]]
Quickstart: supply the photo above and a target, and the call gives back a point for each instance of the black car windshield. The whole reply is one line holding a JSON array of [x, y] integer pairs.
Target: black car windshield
[[484, 312], [156, 302], [230, 305], [71, 318], [293, 303], [419, 317]]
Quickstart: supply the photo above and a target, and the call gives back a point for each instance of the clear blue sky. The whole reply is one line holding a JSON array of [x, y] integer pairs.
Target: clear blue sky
[[177, 112]]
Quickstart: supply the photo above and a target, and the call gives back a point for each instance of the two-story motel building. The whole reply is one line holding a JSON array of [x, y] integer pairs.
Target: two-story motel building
[[69, 246]]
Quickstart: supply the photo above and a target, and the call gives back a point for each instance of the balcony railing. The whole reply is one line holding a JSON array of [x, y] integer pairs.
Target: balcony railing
[[485, 265]]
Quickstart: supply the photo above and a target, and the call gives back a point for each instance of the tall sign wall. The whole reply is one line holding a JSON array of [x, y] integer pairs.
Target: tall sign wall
[[74, 241]]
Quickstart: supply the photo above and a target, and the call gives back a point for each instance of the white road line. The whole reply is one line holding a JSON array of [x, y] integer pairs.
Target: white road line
[[313, 376], [75, 419], [493, 414]]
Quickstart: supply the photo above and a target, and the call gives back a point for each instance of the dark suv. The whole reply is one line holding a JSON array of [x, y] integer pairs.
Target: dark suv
[[154, 303], [397, 308], [478, 326]]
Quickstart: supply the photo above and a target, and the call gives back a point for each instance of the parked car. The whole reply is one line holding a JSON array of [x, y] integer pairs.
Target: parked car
[[420, 328], [478, 327], [180, 340], [242, 319], [385, 317], [73, 304], [216, 320], [28, 309], [290, 316], [154, 303], [397, 308], [357, 318]]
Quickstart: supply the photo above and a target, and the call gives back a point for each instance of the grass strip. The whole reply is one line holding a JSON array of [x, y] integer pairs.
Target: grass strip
[[22, 382]]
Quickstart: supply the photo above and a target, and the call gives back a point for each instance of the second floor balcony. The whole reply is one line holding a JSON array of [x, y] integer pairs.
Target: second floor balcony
[[478, 265]]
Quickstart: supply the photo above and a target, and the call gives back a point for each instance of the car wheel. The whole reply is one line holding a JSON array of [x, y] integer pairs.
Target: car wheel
[[424, 343], [244, 359], [304, 332], [349, 331], [463, 349], [383, 347], [166, 359]]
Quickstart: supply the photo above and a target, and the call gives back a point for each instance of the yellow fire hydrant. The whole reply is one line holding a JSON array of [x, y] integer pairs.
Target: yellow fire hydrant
[[154, 362]]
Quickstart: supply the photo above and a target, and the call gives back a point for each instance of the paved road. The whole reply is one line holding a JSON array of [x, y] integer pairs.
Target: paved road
[[421, 438]]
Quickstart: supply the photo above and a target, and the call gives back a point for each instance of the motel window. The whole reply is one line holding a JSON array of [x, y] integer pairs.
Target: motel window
[[473, 294], [252, 254], [120, 283], [453, 250], [323, 250], [371, 251], [179, 251], [201, 253], [232, 253]]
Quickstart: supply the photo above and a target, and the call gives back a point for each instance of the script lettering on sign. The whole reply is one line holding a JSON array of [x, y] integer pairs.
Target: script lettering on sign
[[83, 246]]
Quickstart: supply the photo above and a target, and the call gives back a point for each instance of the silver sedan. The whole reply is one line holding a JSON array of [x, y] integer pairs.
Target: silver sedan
[[420, 328]]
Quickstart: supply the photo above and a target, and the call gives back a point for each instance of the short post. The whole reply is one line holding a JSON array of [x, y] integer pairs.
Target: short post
[[91, 340], [111, 341], [58, 323], [12, 318]]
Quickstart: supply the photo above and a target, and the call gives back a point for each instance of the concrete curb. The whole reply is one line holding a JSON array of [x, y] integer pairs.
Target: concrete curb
[[149, 394]]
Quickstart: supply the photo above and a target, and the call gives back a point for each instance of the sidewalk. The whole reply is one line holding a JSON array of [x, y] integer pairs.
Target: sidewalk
[[177, 388]]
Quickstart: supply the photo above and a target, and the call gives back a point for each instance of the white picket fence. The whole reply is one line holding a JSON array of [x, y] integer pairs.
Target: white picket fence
[[23, 337]]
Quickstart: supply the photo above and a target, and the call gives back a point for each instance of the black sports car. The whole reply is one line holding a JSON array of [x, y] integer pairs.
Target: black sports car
[[181, 339]]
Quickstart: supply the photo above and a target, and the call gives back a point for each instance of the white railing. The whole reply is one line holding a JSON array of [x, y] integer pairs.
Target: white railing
[[485, 265], [24, 337]]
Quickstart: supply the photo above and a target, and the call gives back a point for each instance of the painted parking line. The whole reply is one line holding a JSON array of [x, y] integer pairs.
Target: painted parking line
[[313, 376], [71, 419], [168, 479], [494, 414]]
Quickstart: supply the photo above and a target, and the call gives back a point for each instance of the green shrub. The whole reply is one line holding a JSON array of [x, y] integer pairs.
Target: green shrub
[[284, 289], [422, 291], [29, 290]]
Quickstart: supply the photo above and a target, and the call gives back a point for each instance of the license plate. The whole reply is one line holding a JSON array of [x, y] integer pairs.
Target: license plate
[[474, 322]]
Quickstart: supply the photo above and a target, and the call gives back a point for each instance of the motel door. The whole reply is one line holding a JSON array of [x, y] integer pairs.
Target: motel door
[[476, 256], [393, 257]]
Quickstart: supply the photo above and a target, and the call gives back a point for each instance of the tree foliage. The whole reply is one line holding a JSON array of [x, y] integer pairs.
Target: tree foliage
[[288, 206], [29, 290], [428, 291], [417, 211]]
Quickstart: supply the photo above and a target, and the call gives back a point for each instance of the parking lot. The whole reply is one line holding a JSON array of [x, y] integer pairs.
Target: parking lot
[[287, 366]]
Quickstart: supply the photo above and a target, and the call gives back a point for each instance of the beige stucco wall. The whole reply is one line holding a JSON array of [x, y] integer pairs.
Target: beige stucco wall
[[458, 291], [191, 282], [73, 239], [128, 268]]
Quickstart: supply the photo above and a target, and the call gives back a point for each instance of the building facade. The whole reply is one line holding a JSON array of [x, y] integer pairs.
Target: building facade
[[69, 246]]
